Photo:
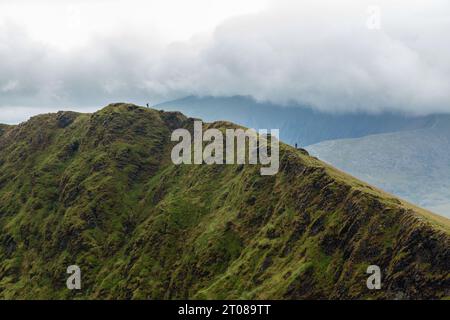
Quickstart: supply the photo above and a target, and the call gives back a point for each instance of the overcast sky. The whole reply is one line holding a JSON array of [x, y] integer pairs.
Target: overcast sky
[[334, 55]]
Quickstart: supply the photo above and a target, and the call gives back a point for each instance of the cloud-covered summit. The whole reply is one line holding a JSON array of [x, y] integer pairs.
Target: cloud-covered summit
[[316, 52]]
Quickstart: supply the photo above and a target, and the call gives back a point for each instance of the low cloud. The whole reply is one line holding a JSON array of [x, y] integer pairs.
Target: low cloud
[[311, 52]]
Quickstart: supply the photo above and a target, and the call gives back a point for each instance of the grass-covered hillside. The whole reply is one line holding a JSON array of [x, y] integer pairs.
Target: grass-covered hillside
[[100, 191]]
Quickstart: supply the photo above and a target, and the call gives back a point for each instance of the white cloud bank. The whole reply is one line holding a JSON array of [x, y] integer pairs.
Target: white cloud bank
[[315, 52]]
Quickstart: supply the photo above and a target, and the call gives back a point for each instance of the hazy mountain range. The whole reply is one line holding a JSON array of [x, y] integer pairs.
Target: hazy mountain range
[[100, 191], [298, 124], [406, 155], [412, 164]]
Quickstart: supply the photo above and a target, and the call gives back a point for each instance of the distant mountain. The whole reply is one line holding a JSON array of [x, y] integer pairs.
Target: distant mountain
[[414, 165], [405, 155], [298, 124], [99, 191]]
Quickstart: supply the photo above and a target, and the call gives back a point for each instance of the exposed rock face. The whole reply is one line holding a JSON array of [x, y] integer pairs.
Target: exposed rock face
[[100, 191], [65, 118]]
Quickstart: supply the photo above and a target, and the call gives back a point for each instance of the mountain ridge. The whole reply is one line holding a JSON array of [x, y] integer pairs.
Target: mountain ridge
[[318, 131], [99, 190], [299, 124]]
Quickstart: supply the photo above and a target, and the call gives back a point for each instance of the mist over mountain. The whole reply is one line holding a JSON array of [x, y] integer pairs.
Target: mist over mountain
[[298, 124], [153, 199], [100, 191], [315, 52]]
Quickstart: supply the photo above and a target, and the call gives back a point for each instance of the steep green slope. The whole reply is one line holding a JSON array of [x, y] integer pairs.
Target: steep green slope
[[100, 191]]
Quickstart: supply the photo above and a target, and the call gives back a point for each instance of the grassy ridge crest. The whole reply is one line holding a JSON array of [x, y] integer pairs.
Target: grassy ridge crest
[[100, 191]]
